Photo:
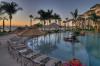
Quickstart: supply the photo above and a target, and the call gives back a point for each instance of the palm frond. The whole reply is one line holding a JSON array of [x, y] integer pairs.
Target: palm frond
[[0, 18], [19, 8], [5, 18], [56, 16], [31, 16], [3, 2], [10, 8], [74, 14]]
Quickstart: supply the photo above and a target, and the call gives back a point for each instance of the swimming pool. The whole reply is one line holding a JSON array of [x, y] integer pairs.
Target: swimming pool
[[53, 45]]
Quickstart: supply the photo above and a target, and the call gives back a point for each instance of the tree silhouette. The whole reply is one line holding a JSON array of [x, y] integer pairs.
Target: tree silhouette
[[67, 22], [75, 16], [10, 8], [0, 22], [82, 23], [94, 18], [49, 15], [3, 19], [56, 17], [64, 24], [31, 17], [43, 15]]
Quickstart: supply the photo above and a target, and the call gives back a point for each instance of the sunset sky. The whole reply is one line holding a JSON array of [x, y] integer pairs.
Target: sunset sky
[[62, 7]]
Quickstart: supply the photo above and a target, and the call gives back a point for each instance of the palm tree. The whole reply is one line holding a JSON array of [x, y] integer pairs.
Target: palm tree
[[67, 22], [94, 18], [49, 15], [43, 15], [1, 10], [59, 21], [56, 17], [31, 17], [10, 8], [88, 20], [75, 16], [0, 22], [0, 16], [81, 22], [4, 18], [64, 24]]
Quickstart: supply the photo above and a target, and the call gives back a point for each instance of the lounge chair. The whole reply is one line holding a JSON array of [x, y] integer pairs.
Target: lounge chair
[[52, 62], [23, 50], [45, 60], [35, 56], [27, 52], [31, 54], [38, 59]]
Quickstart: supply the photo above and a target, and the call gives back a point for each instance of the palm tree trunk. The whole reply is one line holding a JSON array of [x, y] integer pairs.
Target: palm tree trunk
[[72, 26], [60, 25], [68, 26], [65, 25], [49, 21], [0, 29], [76, 25], [10, 18], [10, 25], [55, 21], [44, 24], [3, 26], [30, 22], [82, 25]]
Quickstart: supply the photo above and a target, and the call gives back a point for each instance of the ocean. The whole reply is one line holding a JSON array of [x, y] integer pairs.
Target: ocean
[[7, 28]]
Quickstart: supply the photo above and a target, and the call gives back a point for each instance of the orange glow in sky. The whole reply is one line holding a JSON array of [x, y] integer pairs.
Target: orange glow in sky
[[17, 23]]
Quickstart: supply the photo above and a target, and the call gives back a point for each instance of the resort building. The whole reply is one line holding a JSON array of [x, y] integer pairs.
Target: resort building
[[88, 22], [47, 21]]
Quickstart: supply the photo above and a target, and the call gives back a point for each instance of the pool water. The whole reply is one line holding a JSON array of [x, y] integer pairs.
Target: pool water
[[53, 45], [92, 45]]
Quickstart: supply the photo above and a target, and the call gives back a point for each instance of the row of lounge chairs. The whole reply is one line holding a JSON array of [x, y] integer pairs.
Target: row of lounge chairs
[[28, 57]]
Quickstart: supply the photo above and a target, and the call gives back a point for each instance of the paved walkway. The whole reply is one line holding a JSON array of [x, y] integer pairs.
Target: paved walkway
[[5, 58]]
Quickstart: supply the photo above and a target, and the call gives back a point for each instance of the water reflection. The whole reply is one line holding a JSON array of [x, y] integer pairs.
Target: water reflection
[[54, 45], [46, 47]]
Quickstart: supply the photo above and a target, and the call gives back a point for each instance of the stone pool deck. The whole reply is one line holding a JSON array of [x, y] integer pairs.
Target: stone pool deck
[[5, 58]]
